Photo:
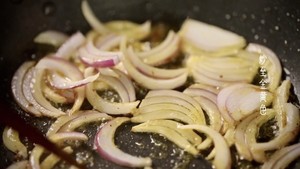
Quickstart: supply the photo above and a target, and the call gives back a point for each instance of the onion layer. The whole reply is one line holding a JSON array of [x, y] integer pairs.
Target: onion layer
[[170, 133], [12, 142], [222, 158], [104, 142], [51, 37]]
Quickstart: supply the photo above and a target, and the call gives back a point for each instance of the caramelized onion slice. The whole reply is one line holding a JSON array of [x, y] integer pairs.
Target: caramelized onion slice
[[104, 142]]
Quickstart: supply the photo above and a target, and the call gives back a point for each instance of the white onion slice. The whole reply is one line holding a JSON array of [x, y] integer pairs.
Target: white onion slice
[[153, 71], [104, 106], [91, 18], [51, 37], [70, 46], [104, 142], [163, 52], [208, 37], [146, 81], [170, 133], [17, 90], [222, 158], [272, 64], [281, 158], [194, 92], [126, 81], [12, 142], [53, 96], [60, 82], [84, 118], [59, 122]]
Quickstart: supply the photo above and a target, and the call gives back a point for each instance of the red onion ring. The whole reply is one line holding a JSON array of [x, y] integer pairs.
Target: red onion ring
[[104, 142]]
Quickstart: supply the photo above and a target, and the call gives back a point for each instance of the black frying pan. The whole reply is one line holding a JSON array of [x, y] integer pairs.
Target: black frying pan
[[274, 23]]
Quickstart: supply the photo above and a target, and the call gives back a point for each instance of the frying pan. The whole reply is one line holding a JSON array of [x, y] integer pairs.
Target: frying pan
[[274, 23]]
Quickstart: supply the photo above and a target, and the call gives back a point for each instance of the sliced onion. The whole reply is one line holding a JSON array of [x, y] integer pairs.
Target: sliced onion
[[150, 82], [12, 142], [182, 96], [59, 122], [211, 109], [108, 42], [168, 132], [17, 90], [205, 87], [104, 142], [223, 71], [281, 97], [240, 140], [208, 37], [163, 114], [163, 52], [282, 157], [129, 29], [91, 18], [51, 160], [239, 100], [252, 131], [20, 165], [153, 71], [194, 92], [27, 89], [126, 81], [53, 96], [60, 82], [70, 46], [222, 158], [104, 106], [168, 107], [67, 69], [286, 135], [272, 64], [51, 37], [84, 118], [92, 56]]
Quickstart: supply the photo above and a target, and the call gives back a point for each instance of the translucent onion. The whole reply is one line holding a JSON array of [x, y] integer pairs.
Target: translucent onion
[[104, 142], [67, 69], [223, 71], [108, 42], [282, 157], [286, 135], [272, 64], [167, 131], [222, 158], [17, 89], [27, 90], [153, 71], [12, 142], [70, 46], [53, 96], [84, 118], [59, 122], [281, 97], [148, 81], [209, 37], [105, 106], [163, 52], [51, 37]]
